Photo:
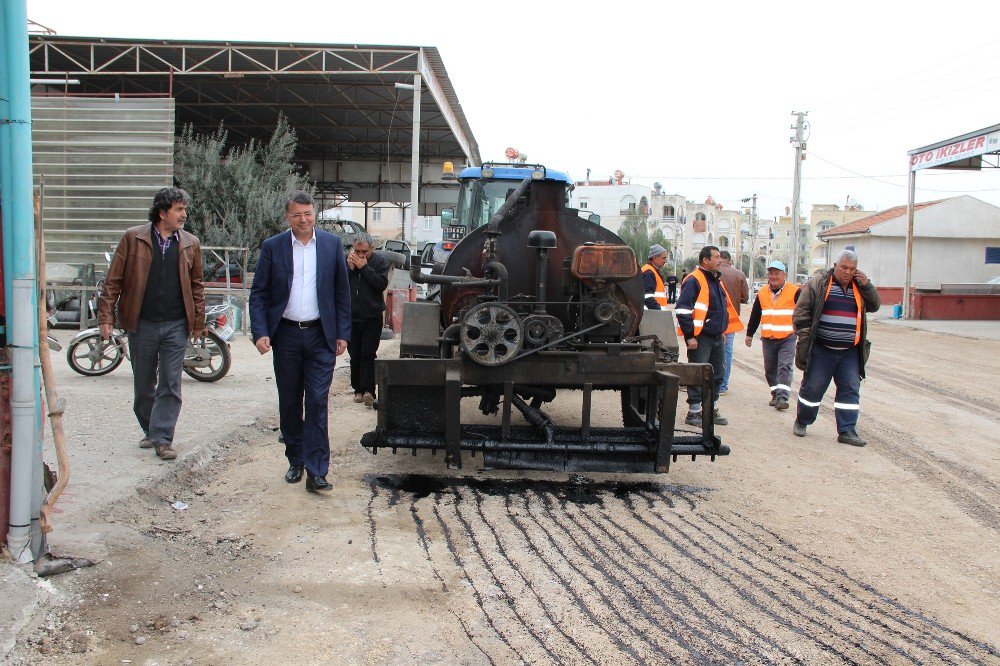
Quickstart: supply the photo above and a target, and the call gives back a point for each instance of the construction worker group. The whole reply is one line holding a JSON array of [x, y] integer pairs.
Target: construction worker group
[[820, 326]]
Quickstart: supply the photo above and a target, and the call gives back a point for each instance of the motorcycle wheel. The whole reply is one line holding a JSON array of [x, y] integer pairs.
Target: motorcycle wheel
[[219, 361], [94, 356]]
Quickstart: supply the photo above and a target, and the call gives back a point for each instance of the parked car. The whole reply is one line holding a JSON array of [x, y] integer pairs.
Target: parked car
[[346, 229]]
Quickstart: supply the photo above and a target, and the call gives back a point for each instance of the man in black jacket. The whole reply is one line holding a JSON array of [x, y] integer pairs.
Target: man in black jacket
[[369, 275]]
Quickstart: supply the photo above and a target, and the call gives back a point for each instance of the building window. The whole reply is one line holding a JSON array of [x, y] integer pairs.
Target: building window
[[993, 255], [376, 214], [427, 224], [668, 211], [699, 216], [583, 204], [777, 246]]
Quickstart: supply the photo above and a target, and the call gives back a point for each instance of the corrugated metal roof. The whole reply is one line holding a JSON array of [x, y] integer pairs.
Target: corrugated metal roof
[[341, 98]]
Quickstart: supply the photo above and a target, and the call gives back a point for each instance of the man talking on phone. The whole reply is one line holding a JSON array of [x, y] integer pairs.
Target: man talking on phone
[[832, 329]]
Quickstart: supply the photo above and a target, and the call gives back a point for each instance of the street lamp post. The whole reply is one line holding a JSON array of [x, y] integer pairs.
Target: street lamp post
[[678, 230]]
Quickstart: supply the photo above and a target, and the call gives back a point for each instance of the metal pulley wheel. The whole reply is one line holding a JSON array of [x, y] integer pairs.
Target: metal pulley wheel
[[491, 334]]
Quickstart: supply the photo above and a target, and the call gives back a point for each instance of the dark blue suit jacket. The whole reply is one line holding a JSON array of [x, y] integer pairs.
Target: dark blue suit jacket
[[272, 283]]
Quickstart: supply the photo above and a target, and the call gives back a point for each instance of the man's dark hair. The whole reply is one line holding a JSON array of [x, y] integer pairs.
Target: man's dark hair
[[725, 255], [165, 199], [706, 253], [299, 197]]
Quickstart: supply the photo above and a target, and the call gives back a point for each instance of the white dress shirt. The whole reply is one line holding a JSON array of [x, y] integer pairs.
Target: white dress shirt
[[303, 304]]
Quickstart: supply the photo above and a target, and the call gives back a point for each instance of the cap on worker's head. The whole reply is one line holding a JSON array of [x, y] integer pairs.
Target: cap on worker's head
[[656, 251], [777, 264]]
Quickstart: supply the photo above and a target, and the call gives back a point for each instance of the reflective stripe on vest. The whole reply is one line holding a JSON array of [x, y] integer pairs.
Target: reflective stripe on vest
[[701, 307], [661, 292], [857, 300], [776, 315]]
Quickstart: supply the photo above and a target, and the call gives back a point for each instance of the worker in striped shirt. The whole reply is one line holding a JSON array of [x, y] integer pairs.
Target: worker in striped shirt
[[832, 331]]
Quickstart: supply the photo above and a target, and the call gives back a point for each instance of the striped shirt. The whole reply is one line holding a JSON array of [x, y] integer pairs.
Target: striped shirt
[[838, 322]]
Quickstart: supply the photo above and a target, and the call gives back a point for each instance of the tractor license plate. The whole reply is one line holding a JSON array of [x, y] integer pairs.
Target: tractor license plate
[[454, 232]]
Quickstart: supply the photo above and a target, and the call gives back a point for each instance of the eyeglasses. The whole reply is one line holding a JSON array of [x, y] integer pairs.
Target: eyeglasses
[[301, 216]]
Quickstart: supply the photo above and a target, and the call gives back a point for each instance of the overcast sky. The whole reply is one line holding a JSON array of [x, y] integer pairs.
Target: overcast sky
[[697, 96]]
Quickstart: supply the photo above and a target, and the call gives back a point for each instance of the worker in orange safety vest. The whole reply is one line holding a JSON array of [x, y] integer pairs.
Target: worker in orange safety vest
[[705, 313], [656, 291], [772, 310]]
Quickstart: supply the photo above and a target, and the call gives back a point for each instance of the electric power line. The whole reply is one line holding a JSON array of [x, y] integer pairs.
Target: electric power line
[[879, 87], [945, 93], [913, 113], [885, 182]]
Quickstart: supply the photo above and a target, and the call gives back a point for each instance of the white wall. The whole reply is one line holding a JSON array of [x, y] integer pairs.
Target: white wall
[[935, 260], [961, 217]]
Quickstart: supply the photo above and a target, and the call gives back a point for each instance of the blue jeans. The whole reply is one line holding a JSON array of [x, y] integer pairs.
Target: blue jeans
[[843, 367], [729, 360]]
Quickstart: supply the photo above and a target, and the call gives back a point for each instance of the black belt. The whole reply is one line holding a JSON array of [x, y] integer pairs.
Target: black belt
[[301, 324]]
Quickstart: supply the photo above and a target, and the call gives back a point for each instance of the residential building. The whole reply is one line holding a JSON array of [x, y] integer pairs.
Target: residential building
[[822, 218], [611, 200], [781, 243], [955, 240]]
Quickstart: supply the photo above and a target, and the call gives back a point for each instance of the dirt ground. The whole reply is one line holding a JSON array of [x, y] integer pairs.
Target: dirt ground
[[787, 551]]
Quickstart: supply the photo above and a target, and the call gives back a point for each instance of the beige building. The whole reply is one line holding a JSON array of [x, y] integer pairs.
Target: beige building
[[822, 218], [780, 247], [695, 225]]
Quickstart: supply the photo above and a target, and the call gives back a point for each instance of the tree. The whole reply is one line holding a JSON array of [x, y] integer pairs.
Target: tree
[[634, 232], [237, 192]]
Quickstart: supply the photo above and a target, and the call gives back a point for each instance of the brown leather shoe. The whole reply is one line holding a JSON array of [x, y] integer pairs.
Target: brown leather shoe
[[165, 452], [358, 397], [368, 399], [144, 443]]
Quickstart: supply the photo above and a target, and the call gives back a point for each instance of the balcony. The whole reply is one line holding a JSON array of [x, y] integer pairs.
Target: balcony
[[668, 219]]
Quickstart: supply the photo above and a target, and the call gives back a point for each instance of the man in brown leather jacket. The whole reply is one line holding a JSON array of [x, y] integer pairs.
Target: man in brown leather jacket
[[155, 281]]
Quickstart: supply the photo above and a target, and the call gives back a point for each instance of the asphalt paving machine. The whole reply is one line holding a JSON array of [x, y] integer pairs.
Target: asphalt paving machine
[[536, 301]]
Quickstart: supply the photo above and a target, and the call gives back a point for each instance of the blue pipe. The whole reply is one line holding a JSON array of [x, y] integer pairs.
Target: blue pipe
[[5, 171], [22, 322]]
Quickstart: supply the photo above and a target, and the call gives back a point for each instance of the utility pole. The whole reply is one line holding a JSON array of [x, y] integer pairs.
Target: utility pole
[[753, 235], [800, 147], [415, 154]]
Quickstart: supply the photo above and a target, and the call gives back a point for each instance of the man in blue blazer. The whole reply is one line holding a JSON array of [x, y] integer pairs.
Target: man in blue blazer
[[300, 307]]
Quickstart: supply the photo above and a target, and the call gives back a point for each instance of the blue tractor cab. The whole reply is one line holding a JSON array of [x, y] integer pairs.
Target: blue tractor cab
[[483, 189]]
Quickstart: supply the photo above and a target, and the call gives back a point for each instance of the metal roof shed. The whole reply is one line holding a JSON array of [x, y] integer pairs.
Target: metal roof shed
[[354, 107]]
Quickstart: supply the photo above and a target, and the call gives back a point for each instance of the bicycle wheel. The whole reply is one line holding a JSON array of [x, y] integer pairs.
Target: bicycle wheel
[[207, 359], [93, 356]]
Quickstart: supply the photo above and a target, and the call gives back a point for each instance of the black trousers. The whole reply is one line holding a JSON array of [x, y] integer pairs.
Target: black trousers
[[363, 347], [303, 370], [711, 349]]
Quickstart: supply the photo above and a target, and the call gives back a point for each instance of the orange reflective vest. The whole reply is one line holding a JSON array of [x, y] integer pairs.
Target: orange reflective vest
[[857, 301], [661, 291], [776, 314], [701, 307]]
